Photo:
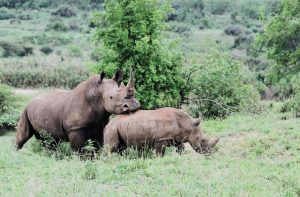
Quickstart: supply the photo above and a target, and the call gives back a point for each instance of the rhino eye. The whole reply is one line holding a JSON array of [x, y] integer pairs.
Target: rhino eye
[[111, 97]]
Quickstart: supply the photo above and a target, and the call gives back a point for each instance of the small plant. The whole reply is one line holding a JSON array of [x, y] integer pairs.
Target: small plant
[[178, 27], [46, 50], [292, 105], [90, 171], [15, 49], [64, 12], [57, 26], [75, 51], [6, 14], [88, 151]]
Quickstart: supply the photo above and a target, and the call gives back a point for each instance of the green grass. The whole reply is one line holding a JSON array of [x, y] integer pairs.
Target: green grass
[[258, 155]]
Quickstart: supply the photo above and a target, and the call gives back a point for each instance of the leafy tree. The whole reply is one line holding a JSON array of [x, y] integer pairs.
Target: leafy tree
[[282, 40], [130, 34]]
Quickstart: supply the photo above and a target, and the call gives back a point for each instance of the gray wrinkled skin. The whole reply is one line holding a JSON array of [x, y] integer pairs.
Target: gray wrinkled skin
[[79, 114], [156, 129]]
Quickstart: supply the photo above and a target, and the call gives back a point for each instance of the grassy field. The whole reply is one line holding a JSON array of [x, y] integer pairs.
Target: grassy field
[[258, 155]]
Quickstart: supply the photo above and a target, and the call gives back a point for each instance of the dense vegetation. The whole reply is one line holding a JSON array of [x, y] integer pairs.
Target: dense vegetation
[[134, 40]]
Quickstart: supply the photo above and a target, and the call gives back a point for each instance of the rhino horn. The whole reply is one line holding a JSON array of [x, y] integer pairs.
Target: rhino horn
[[130, 82], [213, 142]]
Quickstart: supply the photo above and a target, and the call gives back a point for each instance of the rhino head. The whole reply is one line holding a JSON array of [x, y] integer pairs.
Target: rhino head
[[199, 142], [115, 98]]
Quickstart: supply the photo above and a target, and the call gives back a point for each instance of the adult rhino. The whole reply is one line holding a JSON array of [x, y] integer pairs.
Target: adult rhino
[[156, 129], [79, 114]]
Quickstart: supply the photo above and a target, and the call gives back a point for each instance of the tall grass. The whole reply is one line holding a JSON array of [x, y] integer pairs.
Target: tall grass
[[43, 71]]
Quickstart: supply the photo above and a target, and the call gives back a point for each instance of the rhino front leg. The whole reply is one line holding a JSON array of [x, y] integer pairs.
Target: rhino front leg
[[160, 147], [77, 139]]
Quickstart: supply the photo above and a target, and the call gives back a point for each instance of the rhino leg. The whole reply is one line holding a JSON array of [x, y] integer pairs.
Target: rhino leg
[[24, 130], [77, 139], [160, 147], [112, 141], [179, 148]]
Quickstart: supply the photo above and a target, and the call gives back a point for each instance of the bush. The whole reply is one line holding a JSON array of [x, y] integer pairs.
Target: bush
[[219, 7], [217, 87], [8, 115], [5, 98], [178, 27], [6, 14], [57, 26], [187, 11], [75, 51], [64, 12], [11, 3], [55, 39], [233, 30], [14, 49], [292, 105], [73, 25], [46, 50]]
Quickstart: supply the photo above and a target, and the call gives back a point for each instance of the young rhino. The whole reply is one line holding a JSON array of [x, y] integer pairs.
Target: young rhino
[[156, 129]]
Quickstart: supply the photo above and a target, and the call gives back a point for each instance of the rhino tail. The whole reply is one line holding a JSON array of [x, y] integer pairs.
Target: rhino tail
[[24, 130]]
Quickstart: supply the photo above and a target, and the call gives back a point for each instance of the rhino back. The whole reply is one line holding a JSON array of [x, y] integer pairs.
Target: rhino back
[[57, 111]]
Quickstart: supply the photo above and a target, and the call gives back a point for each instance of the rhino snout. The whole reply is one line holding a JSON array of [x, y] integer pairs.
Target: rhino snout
[[131, 106]]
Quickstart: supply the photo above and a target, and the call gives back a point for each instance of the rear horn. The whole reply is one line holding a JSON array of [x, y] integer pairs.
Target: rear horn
[[130, 82]]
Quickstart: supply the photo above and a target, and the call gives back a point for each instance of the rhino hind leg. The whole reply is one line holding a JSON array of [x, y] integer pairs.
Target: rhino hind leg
[[160, 147], [24, 130], [112, 141], [179, 148]]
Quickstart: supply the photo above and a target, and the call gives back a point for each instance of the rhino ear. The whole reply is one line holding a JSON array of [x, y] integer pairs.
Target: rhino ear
[[102, 75], [196, 122], [118, 77]]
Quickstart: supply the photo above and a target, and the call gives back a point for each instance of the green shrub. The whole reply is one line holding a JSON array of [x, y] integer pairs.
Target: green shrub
[[14, 49], [292, 105], [6, 14], [57, 26], [217, 87], [75, 51], [46, 50], [36, 4], [55, 39], [178, 27], [219, 7], [64, 11], [8, 115], [187, 11], [5, 97], [11, 3]]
